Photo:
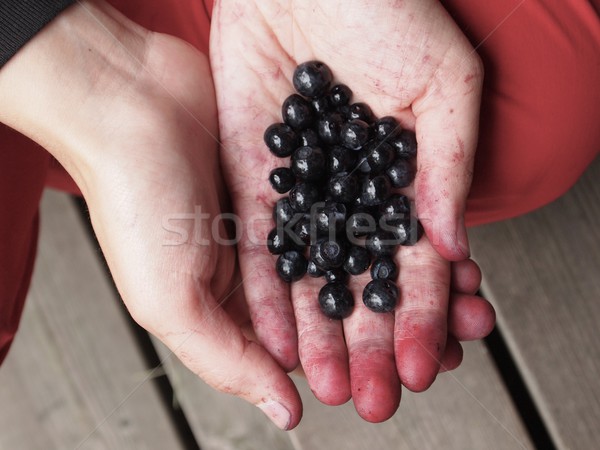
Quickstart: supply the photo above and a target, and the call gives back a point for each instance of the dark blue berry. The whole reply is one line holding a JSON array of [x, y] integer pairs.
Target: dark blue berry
[[354, 134], [357, 261], [336, 301], [340, 95], [309, 163], [313, 271], [361, 223], [337, 275], [382, 243], [320, 105], [312, 78], [405, 144], [379, 155], [401, 173], [381, 295], [278, 242], [387, 127], [375, 190], [341, 159], [384, 268], [407, 230], [327, 254], [343, 187], [360, 111], [397, 206], [329, 127], [281, 139], [297, 112], [283, 211], [303, 229], [291, 266], [282, 179], [309, 137], [330, 217], [303, 196]]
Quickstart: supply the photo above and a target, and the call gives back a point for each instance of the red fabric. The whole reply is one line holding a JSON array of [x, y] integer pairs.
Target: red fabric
[[538, 133]]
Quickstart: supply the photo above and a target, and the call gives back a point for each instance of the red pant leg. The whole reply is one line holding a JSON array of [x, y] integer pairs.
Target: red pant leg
[[541, 102], [22, 177]]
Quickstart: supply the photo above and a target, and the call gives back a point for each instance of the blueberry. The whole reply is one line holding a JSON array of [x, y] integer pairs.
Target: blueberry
[[312, 78], [281, 139], [379, 155], [336, 301], [384, 268], [387, 127], [401, 173], [382, 243], [282, 179], [357, 261], [361, 223], [309, 163], [407, 230], [354, 134], [340, 95], [337, 275], [375, 190], [313, 270], [297, 112], [330, 217], [380, 295], [343, 187], [405, 144], [309, 137], [283, 211], [329, 127], [397, 206], [360, 111], [303, 196], [327, 254], [320, 105], [291, 266], [341, 159], [278, 242], [303, 229]]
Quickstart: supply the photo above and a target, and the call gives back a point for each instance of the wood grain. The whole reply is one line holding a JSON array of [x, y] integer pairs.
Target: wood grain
[[74, 375], [542, 272]]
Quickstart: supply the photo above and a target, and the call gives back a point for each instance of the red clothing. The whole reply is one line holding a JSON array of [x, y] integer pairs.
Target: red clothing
[[539, 132]]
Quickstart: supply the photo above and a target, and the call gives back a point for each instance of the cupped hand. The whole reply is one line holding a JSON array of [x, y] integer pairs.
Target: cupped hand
[[406, 59], [132, 116]]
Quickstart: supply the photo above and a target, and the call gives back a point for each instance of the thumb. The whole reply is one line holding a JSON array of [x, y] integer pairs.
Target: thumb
[[447, 117], [206, 339]]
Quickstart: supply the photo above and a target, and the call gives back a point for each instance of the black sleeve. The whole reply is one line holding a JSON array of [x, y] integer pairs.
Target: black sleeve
[[20, 20]]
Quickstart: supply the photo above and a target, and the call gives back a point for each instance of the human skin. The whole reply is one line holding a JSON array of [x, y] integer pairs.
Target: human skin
[[131, 115], [403, 58]]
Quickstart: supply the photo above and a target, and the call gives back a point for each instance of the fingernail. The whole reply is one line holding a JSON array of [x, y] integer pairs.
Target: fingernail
[[278, 413], [463, 239]]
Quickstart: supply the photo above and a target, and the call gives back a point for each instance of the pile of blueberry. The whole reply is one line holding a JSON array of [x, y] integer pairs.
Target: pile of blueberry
[[342, 214]]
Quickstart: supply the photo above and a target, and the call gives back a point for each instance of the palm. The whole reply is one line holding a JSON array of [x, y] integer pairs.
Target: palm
[[254, 49]]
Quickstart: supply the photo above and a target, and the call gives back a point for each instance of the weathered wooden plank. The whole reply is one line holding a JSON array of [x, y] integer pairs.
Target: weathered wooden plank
[[74, 375], [542, 272]]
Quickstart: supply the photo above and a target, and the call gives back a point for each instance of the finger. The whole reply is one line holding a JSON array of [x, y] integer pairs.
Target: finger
[[374, 379], [453, 355], [447, 116], [470, 317], [203, 336], [321, 345], [465, 276], [267, 296], [421, 317]]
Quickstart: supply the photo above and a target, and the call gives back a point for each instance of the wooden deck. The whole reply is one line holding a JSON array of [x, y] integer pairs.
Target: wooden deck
[[76, 376]]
